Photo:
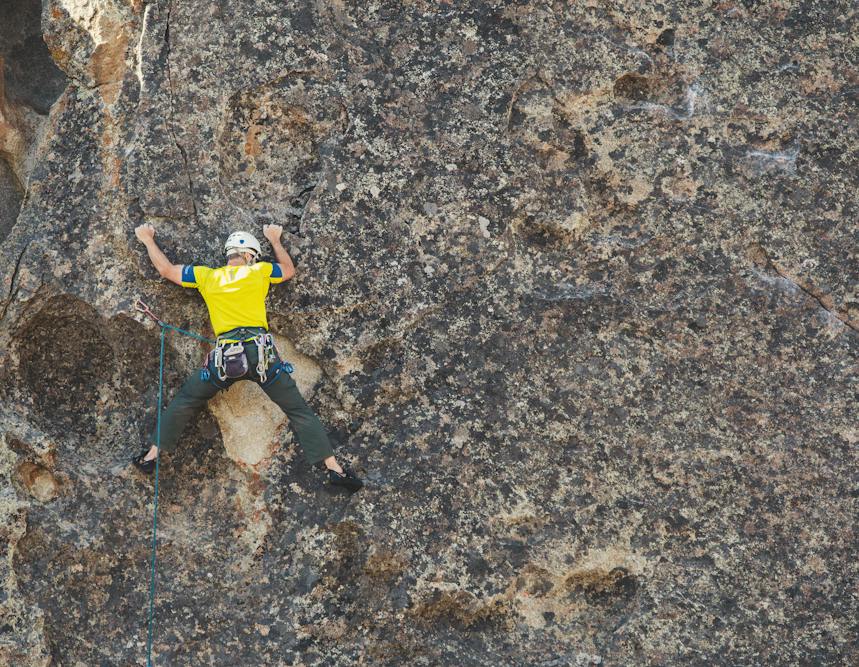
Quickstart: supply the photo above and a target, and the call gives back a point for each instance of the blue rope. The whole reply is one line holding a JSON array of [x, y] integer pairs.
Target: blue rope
[[164, 326]]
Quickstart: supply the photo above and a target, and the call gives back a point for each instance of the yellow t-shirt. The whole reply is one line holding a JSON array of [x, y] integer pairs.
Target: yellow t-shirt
[[234, 295]]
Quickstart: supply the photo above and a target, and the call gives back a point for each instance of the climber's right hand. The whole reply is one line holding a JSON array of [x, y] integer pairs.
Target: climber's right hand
[[144, 232]]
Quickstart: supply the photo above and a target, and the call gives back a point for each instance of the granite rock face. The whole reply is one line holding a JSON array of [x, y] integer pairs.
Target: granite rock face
[[576, 294]]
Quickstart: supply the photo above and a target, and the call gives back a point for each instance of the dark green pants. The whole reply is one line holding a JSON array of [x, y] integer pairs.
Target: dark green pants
[[197, 391]]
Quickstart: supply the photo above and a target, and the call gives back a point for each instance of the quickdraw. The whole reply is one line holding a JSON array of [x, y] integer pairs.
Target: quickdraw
[[266, 355], [143, 308]]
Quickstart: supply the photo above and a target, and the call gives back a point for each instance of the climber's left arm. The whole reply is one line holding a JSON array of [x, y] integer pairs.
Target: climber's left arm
[[166, 268]]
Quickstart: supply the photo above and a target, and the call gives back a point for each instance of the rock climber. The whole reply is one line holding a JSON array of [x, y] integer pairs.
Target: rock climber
[[235, 297]]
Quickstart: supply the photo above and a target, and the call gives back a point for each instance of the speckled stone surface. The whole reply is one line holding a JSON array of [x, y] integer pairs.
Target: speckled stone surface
[[580, 282]]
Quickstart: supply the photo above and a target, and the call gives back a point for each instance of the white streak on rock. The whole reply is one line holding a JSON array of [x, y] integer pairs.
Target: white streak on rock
[[139, 52]]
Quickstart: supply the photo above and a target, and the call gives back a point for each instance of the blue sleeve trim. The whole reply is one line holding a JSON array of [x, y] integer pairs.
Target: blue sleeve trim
[[188, 274], [275, 271]]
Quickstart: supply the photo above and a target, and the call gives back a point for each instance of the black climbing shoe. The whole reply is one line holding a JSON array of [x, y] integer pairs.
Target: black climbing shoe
[[145, 466], [348, 479]]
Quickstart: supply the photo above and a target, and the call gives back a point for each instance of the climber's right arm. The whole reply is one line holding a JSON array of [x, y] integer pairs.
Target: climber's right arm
[[166, 268]]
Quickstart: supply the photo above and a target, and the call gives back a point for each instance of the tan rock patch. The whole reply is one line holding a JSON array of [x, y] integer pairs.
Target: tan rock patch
[[249, 420]]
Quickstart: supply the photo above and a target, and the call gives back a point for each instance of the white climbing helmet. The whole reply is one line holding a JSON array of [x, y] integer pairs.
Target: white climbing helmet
[[243, 242]]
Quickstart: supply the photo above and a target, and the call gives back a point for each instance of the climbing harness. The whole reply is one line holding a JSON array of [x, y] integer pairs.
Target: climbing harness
[[230, 359]]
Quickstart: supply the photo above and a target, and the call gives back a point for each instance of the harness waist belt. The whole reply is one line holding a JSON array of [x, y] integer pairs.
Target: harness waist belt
[[240, 335]]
